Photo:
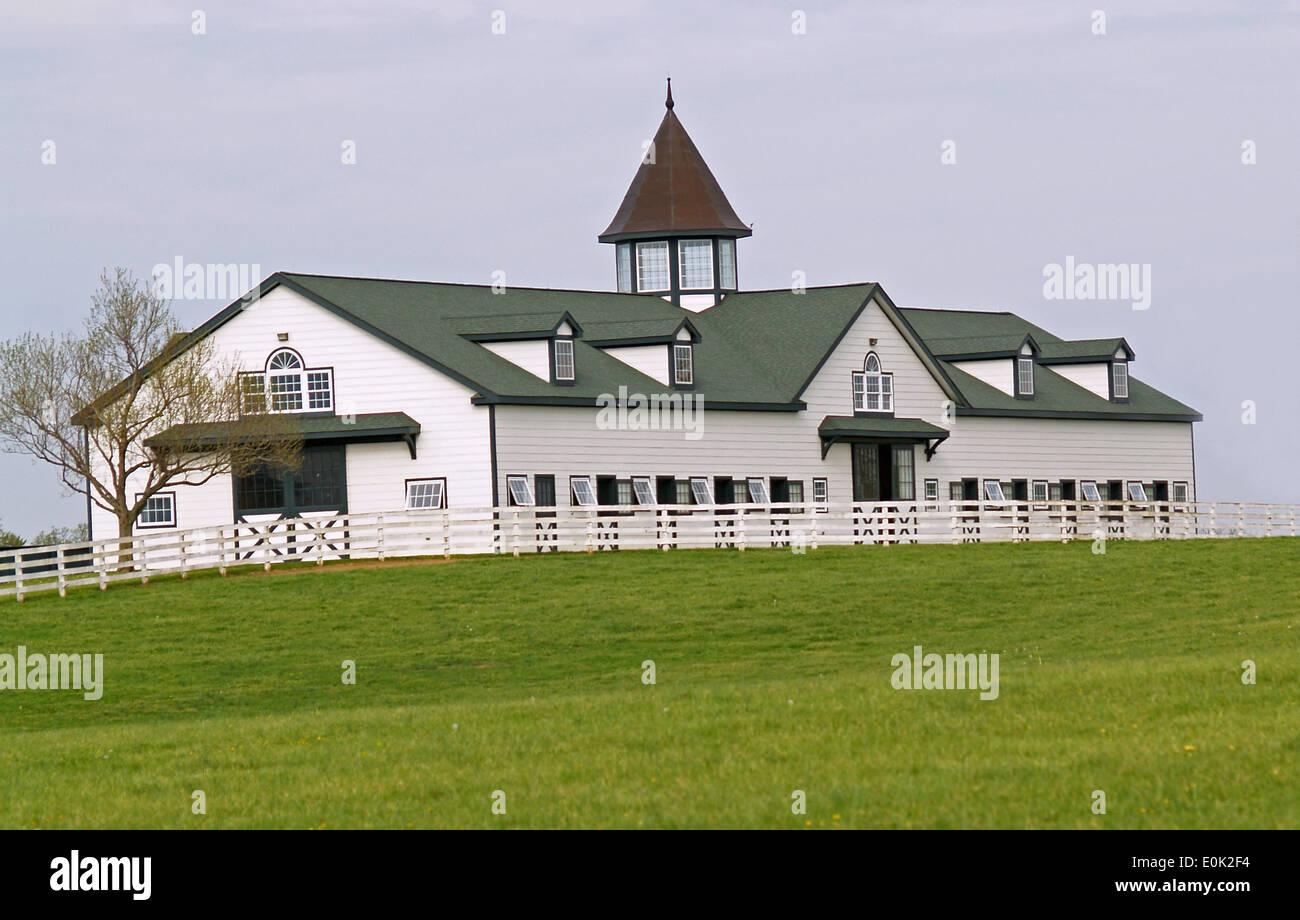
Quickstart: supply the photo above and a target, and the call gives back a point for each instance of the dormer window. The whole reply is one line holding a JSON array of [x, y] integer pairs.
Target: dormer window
[[695, 261], [1119, 380], [683, 365], [1024, 377], [652, 266], [562, 369], [873, 390]]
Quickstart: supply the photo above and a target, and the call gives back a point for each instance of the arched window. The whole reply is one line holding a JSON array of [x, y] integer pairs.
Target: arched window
[[873, 389], [288, 385]]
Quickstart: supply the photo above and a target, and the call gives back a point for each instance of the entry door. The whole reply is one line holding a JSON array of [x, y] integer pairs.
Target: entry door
[[866, 472]]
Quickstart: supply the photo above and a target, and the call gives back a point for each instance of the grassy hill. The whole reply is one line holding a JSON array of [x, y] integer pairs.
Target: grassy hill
[[1118, 672]]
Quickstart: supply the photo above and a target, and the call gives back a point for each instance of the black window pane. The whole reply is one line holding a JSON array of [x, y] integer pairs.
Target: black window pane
[[544, 491], [319, 483]]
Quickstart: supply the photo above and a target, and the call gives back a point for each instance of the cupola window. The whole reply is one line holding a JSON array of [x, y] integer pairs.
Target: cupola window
[[652, 266], [696, 260]]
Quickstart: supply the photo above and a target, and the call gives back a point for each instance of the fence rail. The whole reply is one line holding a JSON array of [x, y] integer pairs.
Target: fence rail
[[516, 531]]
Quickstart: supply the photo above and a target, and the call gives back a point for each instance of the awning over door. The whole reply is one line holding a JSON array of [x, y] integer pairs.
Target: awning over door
[[339, 429], [880, 429]]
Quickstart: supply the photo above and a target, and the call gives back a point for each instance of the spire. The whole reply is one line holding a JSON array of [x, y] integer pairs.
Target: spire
[[673, 191]]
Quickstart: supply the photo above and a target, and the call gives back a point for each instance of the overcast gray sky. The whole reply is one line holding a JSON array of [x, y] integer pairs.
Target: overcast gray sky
[[479, 152]]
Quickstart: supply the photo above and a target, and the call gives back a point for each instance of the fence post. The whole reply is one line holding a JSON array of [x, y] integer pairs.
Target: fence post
[[591, 531], [1268, 520], [144, 559], [379, 540], [103, 569], [18, 575], [63, 575], [514, 535], [185, 574], [1241, 520], [221, 550], [446, 533], [740, 527]]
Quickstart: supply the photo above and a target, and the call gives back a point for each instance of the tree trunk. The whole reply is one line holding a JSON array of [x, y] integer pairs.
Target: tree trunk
[[125, 550]]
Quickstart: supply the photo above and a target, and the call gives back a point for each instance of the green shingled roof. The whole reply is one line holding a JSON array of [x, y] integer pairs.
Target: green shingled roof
[[756, 350]]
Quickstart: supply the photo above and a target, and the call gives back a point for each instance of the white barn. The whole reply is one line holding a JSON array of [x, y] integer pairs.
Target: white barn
[[676, 388]]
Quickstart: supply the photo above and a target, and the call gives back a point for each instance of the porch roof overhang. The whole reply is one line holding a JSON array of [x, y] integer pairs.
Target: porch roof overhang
[[880, 429], [343, 429]]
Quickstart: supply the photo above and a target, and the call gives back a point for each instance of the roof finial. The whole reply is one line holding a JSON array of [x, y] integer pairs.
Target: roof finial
[[669, 101]]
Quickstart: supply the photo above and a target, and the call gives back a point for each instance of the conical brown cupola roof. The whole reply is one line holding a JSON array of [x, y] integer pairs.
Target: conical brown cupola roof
[[675, 194]]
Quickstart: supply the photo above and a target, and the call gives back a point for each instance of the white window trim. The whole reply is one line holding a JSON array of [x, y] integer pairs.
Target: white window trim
[[302, 391], [668, 266], [1173, 491], [622, 250], [555, 358], [1021, 377], [1083, 490], [578, 496], [650, 492], [170, 498], [824, 483], [681, 266], [1033, 490], [1118, 374], [726, 243], [698, 483], [440, 493], [877, 385], [1128, 488], [689, 379], [859, 391], [757, 486], [993, 491]]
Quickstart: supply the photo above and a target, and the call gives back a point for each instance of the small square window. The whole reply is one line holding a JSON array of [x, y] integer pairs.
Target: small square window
[[932, 490], [993, 491], [757, 490], [584, 493], [158, 511], [425, 493], [520, 492], [821, 492], [1137, 492], [1040, 490], [1090, 491], [701, 491], [1180, 491], [681, 492]]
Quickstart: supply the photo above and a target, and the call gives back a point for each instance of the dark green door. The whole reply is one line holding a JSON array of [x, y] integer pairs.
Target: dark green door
[[866, 472]]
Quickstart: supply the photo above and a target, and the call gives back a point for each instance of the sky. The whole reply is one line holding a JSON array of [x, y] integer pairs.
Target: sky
[[950, 151]]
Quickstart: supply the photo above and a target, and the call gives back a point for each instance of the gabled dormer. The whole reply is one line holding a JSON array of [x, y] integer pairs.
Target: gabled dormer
[[675, 233], [1026, 362], [542, 345], [665, 354]]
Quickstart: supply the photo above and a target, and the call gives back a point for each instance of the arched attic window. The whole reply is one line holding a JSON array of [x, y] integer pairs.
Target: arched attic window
[[873, 389], [288, 385]]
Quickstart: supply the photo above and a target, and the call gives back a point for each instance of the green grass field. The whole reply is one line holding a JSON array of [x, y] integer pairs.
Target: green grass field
[[1119, 672]]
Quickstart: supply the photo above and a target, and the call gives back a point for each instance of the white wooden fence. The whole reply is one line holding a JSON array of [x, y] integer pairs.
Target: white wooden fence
[[537, 530]]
